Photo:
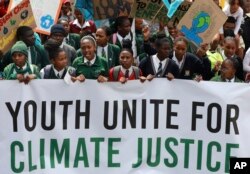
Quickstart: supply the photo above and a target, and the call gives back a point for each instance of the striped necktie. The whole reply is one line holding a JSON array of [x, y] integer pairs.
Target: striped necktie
[[103, 53], [159, 71], [127, 74]]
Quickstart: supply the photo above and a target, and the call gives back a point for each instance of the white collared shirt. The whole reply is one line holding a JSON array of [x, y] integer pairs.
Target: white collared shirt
[[85, 24], [120, 38], [231, 80], [177, 61], [42, 73], [24, 67], [124, 70], [156, 62], [99, 50], [58, 72], [91, 61]]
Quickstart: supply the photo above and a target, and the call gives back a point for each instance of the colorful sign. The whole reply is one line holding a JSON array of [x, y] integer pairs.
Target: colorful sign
[[46, 13], [18, 16], [202, 21], [179, 126], [106, 9]]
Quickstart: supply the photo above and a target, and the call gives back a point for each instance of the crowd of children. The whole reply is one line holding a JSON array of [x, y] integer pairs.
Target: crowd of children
[[76, 47]]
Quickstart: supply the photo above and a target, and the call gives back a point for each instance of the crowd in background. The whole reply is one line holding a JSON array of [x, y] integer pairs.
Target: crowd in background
[[129, 49]]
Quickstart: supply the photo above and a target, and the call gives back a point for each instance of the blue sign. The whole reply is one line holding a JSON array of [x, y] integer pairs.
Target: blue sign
[[46, 21]]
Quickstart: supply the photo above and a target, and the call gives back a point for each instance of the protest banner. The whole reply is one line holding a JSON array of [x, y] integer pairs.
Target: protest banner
[[176, 127], [18, 16], [202, 21], [46, 13], [155, 10], [106, 9]]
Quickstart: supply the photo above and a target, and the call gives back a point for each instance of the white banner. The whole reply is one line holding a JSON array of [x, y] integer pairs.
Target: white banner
[[46, 13], [158, 127]]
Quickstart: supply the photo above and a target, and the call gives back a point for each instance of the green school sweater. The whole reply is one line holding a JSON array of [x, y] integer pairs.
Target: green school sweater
[[11, 71], [100, 67]]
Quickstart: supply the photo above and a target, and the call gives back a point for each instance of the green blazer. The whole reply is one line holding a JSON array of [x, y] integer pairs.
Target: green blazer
[[100, 67], [219, 79], [74, 40], [39, 57], [113, 55]]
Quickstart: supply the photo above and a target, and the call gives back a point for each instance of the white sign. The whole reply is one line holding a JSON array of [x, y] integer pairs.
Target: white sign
[[46, 13], [154, 127]]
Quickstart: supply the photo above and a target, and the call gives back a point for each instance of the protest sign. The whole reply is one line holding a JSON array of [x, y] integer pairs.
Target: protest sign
[[202, 21], [156, 11], [181, 127], [46, 13], [105, 9], [18, 16]]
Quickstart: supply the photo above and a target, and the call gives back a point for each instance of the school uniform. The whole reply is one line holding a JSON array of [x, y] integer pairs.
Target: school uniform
[[219, 79], [189, 66], [36, 55], [117, 72], [239, 71], [73, 40], [150, 65], [111, 53], [49, 72], [11, 71], [91, 69], [76, 27], [117, 39]]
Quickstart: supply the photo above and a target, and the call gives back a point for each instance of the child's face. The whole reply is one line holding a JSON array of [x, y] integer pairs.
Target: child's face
[[163, 51], [234, 6], [227, 70], [172, 30], [126, 59], [19, 59], [79, 16], [229, 26], [88, 49], [58, 37], [65, 25], [61, 61], [125, 28], [101, 37], [180, 49], [229, 48]]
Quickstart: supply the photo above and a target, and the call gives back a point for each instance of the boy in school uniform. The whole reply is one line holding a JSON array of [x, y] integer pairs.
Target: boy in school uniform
[[21, 69]]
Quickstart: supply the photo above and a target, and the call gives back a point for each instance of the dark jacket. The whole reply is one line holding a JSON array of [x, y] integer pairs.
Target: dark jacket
[[147, 67]]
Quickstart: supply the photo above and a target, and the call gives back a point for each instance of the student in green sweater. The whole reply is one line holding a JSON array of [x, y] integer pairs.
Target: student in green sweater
[[228, 71], [20, 69], [90, 65]]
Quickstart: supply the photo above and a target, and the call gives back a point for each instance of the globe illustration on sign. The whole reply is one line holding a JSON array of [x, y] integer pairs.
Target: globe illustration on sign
[[201, 22]]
